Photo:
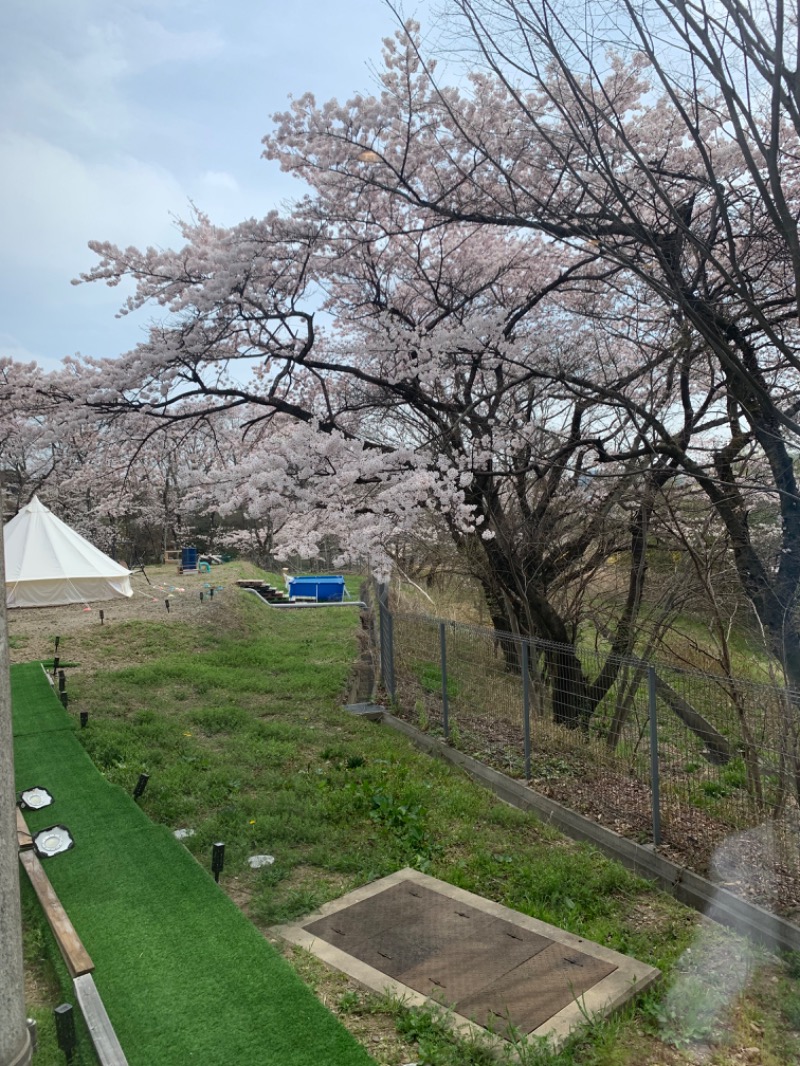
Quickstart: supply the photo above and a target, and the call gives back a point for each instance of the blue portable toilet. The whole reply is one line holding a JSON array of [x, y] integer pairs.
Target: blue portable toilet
[[188, 559], [321, 589]]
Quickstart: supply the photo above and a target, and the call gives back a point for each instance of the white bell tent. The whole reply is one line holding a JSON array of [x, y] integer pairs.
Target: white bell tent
[[48, 564]]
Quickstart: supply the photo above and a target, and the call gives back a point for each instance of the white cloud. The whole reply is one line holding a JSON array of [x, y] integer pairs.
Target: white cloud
[[219, 179], [11, 348], [146, 43], [115, 113], [81, 77], [52, 203]]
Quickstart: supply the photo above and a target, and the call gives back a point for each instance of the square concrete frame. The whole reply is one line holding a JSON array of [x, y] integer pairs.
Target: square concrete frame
[[628, 979]]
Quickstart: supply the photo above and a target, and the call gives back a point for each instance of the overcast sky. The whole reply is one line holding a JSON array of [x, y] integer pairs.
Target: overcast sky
[[115, 113]]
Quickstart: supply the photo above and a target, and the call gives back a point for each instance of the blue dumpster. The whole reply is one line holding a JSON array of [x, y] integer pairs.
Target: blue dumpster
[[321, 589], [188, 559]]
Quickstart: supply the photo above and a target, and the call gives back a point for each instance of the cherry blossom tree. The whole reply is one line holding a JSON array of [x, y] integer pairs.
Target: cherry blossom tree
[[27, 451], [527, 303], [438, 385], [662, 139], [119, 484]]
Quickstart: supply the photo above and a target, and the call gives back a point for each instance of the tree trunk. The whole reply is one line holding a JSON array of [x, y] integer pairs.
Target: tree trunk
[[717, 748], [571, 705]]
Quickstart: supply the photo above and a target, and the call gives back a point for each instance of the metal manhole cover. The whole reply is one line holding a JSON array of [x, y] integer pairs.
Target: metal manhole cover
[[495, 968]]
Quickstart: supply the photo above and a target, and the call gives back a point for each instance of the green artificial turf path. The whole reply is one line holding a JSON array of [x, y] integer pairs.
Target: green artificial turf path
[[184, 975]]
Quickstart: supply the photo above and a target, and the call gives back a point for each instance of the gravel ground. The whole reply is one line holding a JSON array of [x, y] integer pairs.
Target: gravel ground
[[32, 630]]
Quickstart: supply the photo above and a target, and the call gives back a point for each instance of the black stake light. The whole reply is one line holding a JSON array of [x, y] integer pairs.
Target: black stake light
[[141, 785], [102, 617], [65, 1029], [217, 860], [62, 681], [64, 700], [84, 719], [211, 593], [166, 604], [201, 597], [56, 661]]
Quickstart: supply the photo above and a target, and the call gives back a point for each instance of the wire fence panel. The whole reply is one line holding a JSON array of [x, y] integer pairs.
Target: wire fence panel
[[418, 679], [487, 693], [590, 748], [723, 754], [729, 753], [485, 714]]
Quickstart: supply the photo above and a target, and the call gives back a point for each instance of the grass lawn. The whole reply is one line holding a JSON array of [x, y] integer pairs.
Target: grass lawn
[[184, 977], [236, 718]]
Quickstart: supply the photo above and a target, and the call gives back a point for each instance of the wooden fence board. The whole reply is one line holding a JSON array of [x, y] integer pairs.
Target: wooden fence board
[[106, 1045], [75, 954], [24, 838]]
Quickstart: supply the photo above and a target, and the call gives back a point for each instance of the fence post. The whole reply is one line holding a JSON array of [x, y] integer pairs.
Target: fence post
[[386, 628], [443, 663], [654, 783], [382, 639], [382, 588], [526, 707], [390, 654]]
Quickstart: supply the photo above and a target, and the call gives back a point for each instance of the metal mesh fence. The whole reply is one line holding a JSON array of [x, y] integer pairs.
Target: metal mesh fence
[[728, 761], [595, 735]]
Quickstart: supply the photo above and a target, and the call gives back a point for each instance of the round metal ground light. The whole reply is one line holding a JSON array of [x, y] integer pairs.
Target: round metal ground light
[[35, 798], [53, 841]]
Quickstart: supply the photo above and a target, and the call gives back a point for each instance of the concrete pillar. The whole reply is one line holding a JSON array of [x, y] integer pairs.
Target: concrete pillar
[[15, 1043]]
